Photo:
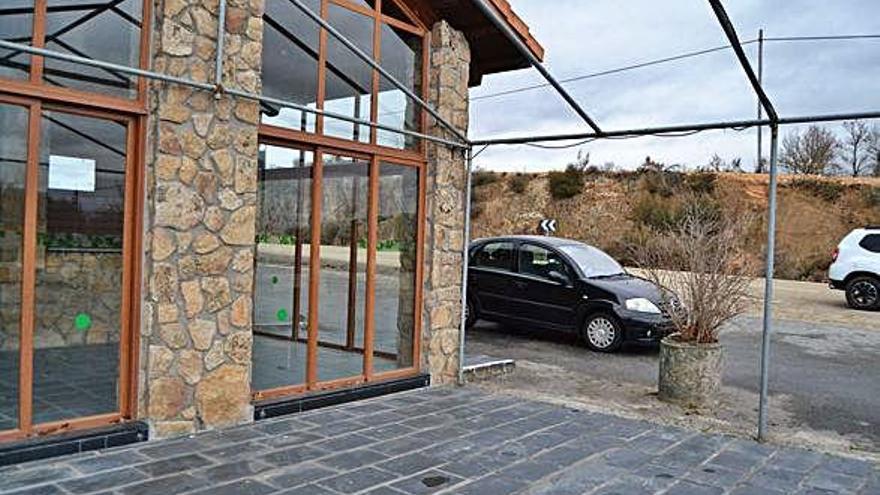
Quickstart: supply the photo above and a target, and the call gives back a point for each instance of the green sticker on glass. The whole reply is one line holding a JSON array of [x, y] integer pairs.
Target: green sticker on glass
[[82, 322], [274, 279], [281, 315]]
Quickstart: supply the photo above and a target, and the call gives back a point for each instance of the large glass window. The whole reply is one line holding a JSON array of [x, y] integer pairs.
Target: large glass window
[[290, 40], [337, 80], [281, 295], [16, 25], [80, 240], [396, 261], [349, 80], [13, 159], [109, 31], [402, 57]]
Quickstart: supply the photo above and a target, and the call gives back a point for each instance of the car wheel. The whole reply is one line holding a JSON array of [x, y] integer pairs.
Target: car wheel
[[602, 332], [863, 293], [470, 314]]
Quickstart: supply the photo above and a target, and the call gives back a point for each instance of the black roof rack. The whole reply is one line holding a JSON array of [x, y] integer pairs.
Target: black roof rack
[[872, 227]]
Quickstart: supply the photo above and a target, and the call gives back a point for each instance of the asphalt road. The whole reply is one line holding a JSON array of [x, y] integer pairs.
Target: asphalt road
[[825, 380]]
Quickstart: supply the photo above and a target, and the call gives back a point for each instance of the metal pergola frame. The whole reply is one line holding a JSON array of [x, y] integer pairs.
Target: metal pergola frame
[[461, 142]]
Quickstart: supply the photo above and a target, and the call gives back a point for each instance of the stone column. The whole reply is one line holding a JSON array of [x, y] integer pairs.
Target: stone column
[[199, 221], [449, 72]]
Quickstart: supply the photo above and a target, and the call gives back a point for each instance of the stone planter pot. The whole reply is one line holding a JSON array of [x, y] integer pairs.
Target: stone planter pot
[[690, 374]]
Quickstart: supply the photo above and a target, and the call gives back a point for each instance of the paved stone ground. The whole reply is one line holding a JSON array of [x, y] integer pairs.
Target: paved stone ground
[[448, 440]]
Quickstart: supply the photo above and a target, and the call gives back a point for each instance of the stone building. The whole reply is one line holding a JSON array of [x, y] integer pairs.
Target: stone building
[[183, 255]]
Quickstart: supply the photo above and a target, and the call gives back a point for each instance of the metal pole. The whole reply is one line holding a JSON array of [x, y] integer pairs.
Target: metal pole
[[339, 116], [210, 87], [221, 37], [669, 130], [732, 37], [768, 286], [372, 63], [759, 166], [514, 38], [465, 261]]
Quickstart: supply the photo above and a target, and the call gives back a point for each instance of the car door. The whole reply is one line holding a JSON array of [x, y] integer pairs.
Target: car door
[[540, 294], [490, 276]]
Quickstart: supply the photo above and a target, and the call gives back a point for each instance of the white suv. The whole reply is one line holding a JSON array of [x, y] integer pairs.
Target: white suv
[[856, 268]]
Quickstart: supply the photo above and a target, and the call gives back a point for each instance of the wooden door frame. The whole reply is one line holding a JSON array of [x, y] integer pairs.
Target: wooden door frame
[[126, 399]]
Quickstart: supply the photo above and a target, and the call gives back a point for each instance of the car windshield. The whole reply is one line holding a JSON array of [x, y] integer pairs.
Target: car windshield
[[593, 262]]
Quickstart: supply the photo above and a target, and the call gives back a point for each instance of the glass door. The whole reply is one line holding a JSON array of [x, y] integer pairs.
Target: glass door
[[66, 195], [336, 266]]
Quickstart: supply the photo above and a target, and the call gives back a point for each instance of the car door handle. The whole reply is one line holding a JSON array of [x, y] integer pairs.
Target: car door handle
[[521, 285]]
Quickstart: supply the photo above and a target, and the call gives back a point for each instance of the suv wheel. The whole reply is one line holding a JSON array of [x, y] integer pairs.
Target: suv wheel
[[602, 333], [863, 293]]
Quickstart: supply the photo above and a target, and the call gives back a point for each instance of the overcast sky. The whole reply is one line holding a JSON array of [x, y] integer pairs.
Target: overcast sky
[[586, 36]]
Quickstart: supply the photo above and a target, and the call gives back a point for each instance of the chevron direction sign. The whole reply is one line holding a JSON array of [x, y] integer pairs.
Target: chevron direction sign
[[548, 226]]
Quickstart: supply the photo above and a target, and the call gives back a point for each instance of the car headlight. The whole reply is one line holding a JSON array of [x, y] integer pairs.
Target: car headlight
[[642, 305]]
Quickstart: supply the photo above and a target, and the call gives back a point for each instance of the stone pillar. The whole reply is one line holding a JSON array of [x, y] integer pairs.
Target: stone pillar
[[199, 221], [449, 72]]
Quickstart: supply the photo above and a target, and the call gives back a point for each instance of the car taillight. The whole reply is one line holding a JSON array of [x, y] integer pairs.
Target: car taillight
[[835, 254]]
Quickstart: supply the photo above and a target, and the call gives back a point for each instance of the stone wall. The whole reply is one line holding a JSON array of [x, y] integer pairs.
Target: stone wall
[[449, 70], [200, 221]]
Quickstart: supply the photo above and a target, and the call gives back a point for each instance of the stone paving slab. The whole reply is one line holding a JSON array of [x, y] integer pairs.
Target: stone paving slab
[[448, 441]]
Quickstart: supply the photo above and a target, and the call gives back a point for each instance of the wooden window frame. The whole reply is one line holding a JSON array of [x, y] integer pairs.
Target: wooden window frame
[[36, 96]]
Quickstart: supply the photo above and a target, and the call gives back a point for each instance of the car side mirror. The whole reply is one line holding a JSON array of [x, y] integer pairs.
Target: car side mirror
[[558, 277]]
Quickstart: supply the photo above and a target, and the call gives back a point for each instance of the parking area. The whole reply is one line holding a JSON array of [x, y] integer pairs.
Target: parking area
[[823, 379], [449, 441]]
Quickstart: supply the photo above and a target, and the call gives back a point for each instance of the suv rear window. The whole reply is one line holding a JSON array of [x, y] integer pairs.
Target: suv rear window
[[871, 242], [496, 255]]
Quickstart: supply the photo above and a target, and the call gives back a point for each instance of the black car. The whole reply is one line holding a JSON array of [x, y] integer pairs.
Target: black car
[[563, 285]]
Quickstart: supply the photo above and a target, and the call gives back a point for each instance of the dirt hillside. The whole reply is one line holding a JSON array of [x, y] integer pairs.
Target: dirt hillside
[[614, 209]]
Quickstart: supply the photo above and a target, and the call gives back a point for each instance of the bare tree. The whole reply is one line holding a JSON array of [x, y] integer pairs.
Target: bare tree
[[811, 153], [855, 147], [703, 260], [874, 151]]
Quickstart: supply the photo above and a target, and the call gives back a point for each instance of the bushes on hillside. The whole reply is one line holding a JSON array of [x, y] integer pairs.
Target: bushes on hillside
[[823, 189], [484, 178], [519, 183], [663, 214], [566, 184]]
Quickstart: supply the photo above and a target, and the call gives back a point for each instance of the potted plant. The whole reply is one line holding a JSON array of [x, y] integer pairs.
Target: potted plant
[[701, 259]]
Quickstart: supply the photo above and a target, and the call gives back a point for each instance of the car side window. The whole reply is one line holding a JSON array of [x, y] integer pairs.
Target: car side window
[[540, 262], [495, 255], [871, 243]]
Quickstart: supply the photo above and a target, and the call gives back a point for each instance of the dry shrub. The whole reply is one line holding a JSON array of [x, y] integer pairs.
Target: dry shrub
[[519, 183], [701, 258], [566, 184], [484, 178]]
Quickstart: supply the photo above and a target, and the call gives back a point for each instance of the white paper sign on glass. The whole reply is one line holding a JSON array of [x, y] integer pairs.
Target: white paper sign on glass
[[71, 174]]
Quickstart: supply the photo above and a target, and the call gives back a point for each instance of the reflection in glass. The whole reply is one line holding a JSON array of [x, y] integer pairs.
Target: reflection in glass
[[290, 63], [79, 251], [16, 24], [13, 158], [396, 267], [281, 295], [343, 267], [349, 79], [109, 31], [402, 57]]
